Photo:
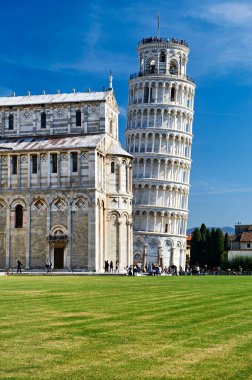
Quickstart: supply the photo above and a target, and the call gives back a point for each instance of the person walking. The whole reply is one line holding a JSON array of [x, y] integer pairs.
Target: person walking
[[111, 266], [19, 266]]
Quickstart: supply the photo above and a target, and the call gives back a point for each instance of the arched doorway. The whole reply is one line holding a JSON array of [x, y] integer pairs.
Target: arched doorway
[[58, 243]]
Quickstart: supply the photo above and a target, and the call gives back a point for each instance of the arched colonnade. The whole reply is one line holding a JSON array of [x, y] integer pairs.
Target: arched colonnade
[[161, 196]]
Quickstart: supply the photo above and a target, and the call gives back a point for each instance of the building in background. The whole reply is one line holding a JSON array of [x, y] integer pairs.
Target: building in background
[[65, 182], [159, 136], [241, 242]]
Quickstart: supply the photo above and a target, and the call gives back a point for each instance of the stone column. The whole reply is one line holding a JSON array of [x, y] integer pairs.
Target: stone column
[[120, 220], [48, 228], [8, 234], [9, 171], [119, 177], [162, 222], [105, 238], [69, 233], [171, 256], [160, 256], [79, 168], [144, 170], [149, 92], [49, 164], [144, 257], [59, 170], [155, 222], [129, 242], [27, 257], [155, 118], [153, 142]]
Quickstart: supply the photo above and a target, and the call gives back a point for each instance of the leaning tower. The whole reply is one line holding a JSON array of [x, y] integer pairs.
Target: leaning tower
[[159, 136]]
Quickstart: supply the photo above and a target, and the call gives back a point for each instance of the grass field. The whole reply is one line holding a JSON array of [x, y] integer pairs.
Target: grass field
[[126, 328]]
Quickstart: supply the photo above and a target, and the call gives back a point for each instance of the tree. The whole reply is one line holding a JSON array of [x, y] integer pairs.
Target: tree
[[209, 249], [202, 256], [219, 247], [195, 247], [226, 242], [212, 249]]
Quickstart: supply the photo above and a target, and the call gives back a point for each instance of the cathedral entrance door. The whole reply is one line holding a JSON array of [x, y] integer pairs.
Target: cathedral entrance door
[[58, 258]]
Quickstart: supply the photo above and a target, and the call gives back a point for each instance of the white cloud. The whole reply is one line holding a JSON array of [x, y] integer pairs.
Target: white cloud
[[228, 13]]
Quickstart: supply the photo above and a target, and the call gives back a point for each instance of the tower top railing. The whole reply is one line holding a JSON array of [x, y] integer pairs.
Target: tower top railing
[[151, 40], [168, 75]]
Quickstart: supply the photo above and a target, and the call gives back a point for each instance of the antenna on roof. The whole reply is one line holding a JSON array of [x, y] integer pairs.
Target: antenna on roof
[[43, 92], [88, 89], [73, 90], [158, 25], [14, 94], [58, 91], [110, 81], [28, 93]]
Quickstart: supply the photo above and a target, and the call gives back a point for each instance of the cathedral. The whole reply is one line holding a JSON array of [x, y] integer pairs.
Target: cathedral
[[65, 182]]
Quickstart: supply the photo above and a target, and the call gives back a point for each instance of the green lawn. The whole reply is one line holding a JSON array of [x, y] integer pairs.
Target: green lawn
[[126, 328]]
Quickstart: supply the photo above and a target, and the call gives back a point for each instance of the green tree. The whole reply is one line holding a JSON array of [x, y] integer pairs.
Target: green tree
[[203, 253], [195, 246], [226, 242], [208, 249], [212, 249], [219, 246]]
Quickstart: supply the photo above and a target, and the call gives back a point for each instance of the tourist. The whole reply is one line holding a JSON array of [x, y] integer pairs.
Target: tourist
[[19, 266], [111, 266]]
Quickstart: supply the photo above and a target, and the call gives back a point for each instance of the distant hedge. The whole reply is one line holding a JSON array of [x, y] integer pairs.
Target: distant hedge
[[239, 261]]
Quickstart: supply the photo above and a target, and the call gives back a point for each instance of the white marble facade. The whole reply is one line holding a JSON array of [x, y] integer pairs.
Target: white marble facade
[[159, 136], [65, 182]]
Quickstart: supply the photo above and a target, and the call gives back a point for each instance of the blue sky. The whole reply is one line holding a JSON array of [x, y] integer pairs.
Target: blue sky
[[50, 45]]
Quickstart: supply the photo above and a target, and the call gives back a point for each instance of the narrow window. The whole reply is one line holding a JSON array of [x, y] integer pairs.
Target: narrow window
[[74, 162], [78, 118], [248, 245], [14, 164], [34, 164], [166, 228], [111, 127], [18, 216], [172, 94], [146, 94], [54, 163], [43, 120], [112, 167], [162, 56], [11, 121]]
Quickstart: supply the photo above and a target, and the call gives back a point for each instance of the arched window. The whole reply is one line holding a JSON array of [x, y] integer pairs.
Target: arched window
[[152, 66], [11, 121], [78, 118], [162, 56], [173, 93], [43, 120], [112, 167], [18, 216], [173, 68]]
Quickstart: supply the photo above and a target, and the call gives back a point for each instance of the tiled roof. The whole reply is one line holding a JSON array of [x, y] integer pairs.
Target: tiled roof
[[244, 237], [53, 98], [116, 149], [49, 143]]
